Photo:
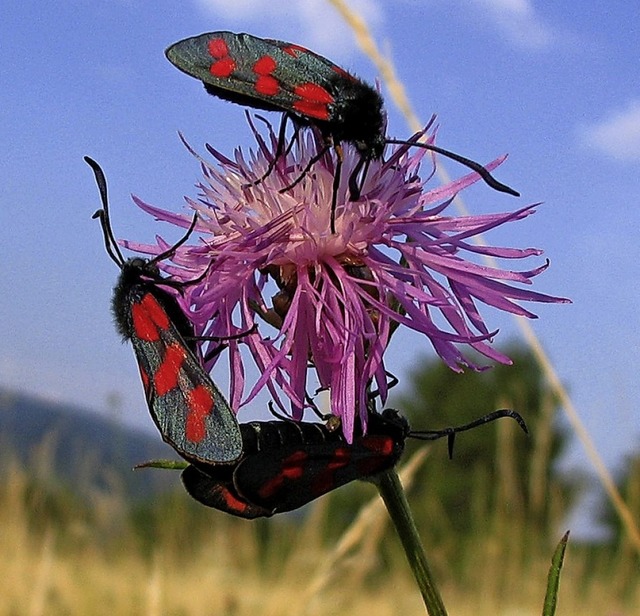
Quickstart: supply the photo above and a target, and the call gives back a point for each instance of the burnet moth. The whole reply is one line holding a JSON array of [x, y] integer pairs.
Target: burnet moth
[[188, 409], [310, 89], [286, 464]]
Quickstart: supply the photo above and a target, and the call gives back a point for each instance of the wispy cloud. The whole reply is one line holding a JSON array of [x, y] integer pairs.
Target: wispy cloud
[[519, 22], [316, 23], [617, 135]]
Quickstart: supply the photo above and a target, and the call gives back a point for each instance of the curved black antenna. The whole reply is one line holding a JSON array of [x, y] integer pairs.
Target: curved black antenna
[[171, 251], [242, 334], [210, 354], [393, 381], [450, 433], [463, 160], [111, 246]]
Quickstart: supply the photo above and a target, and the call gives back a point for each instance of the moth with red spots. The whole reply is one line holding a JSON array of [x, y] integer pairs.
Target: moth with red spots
[[279, 76], [188, 409], [310, 89], [286, 464]]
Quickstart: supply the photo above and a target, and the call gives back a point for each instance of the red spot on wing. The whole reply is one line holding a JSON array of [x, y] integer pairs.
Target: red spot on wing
[[343, 73], [382, 450], [382, 445], [341, 458], [266, 84], [217, 48], [200, 404], [232, 502], [313, 93], [269, 488], [148, 318], [224, 65], [294, 50], [222, 68], [166, 377], [264, 66], [326, 481], [314, 101], [292, 469]]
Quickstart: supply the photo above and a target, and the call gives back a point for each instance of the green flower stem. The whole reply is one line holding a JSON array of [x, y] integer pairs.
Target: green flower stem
[[392, 493]]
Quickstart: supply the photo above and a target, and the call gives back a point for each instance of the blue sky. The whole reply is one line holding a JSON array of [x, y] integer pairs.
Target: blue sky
[[549, 84]]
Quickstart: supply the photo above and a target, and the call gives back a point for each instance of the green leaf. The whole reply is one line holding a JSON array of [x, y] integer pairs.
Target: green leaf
[[553, 580], [178, 465]]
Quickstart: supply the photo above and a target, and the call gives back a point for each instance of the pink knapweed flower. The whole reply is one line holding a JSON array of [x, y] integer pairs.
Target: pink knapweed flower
[[330, 301]]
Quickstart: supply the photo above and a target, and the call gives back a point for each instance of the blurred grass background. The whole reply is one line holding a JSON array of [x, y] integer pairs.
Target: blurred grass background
[[490, 519]]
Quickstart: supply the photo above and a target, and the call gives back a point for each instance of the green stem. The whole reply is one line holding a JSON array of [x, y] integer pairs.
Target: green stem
[[390, 489]]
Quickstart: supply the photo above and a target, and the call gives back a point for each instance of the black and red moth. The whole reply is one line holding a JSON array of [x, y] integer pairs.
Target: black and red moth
[[310, 89], [278, 76], [286, 464], [188, 409]]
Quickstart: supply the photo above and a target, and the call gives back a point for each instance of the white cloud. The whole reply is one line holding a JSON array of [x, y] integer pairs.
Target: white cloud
[[519, 22], [316, 23], [617, 135]]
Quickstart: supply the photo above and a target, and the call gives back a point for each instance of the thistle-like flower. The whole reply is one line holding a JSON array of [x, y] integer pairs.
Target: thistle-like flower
[[331, 301]]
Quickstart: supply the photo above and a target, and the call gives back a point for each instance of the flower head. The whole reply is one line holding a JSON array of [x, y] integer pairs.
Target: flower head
[[330, 301]]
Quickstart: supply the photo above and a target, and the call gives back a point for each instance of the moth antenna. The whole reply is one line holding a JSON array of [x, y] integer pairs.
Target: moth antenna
[[450, 433], [111, 246], [215, 351], [237, 336], [463, 160], [393, 381], [171, 251]]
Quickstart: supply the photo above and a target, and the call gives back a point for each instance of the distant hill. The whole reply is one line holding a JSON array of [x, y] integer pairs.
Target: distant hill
[[80, 448]]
